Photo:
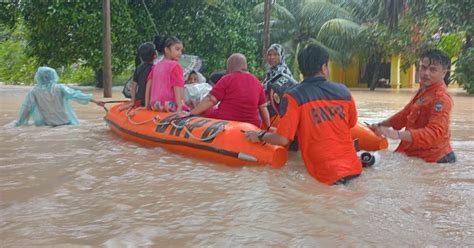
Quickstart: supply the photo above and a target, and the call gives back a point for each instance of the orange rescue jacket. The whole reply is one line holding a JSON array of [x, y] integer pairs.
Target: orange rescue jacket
[[426, 117], [322, 114]]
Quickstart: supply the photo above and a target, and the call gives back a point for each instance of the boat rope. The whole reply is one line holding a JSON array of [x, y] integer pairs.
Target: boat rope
[[155, 119], [186, 129]]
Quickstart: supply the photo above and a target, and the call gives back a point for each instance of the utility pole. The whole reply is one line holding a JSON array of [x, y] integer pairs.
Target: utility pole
[[267, 13], [106, 49]]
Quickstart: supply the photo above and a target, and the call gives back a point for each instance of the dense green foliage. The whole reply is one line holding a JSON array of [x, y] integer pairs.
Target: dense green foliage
[[62, 34], [347, 28], [451, 43], [15, 65], [212, 30], [8, 12], [456, 16], [67, 35], [465, 70], [296, 23], [67, 32]]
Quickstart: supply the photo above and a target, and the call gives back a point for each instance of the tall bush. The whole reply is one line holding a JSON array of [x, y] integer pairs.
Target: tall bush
[[15, 65], [211, 29], [464, 72], [65, 32]]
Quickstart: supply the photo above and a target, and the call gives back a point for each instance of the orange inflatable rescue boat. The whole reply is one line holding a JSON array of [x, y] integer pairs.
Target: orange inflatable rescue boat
[[368, 140], [218, 140]]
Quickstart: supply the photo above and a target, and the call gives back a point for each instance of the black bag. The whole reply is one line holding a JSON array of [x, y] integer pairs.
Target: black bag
[[277, 86], [127, 88]]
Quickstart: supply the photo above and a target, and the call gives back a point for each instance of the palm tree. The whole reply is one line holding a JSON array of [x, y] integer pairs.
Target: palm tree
[[296, 23], [344, 27], [368, 15], [342, 35], [267, 12]]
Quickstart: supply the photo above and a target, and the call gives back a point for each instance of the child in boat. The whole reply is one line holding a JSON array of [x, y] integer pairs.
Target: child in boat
[[164, 89], [193, 78], [194, 90], [147, 54], [48, 102]]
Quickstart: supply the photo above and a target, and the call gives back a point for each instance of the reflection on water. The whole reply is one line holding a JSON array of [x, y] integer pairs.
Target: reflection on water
[[82, 185]]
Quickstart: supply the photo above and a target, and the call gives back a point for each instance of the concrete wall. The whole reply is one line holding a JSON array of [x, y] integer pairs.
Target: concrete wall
[[350, 75]]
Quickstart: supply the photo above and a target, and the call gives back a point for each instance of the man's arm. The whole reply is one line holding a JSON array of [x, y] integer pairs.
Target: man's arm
[[147, 94], [435, 129], [394, 134], [205, 104], [286, 128], [133, 91], [267, 137], [179, 97], [396, 121], [26, 110], [265, 114]]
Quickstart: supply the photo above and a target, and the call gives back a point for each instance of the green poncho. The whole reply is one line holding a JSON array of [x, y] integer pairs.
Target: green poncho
[[48, 102]]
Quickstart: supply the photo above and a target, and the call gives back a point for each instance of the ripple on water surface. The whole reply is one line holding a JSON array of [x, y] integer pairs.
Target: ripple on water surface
[[83, 185]]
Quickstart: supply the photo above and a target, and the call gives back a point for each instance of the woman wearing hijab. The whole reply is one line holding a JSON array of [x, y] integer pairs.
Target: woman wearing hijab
[[240, 94], [278, 77], [48, 102], [276, 65]]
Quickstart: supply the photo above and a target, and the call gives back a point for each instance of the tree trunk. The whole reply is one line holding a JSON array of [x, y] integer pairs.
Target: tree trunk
[[375, 76], [467, 44], [99, 79], [267, 12], [107, 50]]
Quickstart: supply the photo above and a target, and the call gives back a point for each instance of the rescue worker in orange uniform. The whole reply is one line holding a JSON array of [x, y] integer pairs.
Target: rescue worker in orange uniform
[[321, 113], [426, 117]]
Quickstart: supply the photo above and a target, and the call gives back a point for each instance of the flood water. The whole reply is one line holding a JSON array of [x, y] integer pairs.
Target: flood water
[[85, 186]]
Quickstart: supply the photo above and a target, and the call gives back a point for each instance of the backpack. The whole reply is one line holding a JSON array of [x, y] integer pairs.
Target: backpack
[[127, 88]]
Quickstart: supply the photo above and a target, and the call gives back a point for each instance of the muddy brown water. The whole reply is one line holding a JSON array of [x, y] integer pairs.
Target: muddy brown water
[[85, 186]]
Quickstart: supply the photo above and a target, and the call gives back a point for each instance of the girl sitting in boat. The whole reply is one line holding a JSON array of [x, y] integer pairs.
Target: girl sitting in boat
[[164, 89], [48, 102], [240, 94], [147, 53]]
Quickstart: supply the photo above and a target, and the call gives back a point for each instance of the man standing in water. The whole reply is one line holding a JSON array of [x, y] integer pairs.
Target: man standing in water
[[322, 113], [426, 117]]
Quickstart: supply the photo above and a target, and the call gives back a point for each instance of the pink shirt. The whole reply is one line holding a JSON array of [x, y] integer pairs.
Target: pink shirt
[[240, 94], [164, 76]]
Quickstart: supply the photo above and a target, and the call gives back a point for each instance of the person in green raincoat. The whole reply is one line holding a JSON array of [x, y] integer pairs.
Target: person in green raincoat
[[48, 103]]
